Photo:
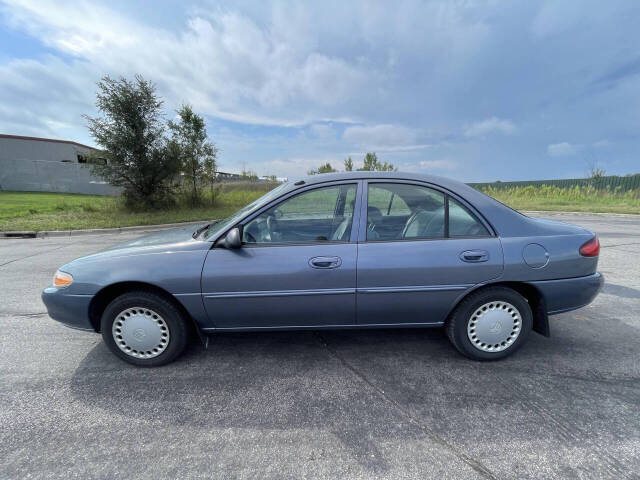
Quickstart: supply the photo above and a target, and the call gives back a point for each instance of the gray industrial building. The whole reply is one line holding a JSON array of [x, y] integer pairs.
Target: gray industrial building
[[48, 165]]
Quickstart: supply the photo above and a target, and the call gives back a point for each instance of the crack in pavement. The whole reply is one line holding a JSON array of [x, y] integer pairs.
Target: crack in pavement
[[23, 315], [38, 253], [569, 431], [619, 245], [476, 465]]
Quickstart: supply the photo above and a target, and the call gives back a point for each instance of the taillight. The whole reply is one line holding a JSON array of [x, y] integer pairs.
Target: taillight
[[591, 248]]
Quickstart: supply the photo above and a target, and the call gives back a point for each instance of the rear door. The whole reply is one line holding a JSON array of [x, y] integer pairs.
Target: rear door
[[420, 249]]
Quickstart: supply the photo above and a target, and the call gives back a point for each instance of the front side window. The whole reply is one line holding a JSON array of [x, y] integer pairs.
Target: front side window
[[403, 211], [319, 215]]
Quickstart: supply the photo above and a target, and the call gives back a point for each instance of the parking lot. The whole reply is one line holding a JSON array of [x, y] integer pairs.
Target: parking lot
[[345, 404]]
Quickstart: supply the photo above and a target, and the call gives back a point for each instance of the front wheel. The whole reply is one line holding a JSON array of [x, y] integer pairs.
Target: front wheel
[[144, 329], [490, 324]]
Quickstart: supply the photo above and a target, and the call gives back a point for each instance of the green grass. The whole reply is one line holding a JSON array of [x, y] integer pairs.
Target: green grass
[[573, 199], [61, 211]]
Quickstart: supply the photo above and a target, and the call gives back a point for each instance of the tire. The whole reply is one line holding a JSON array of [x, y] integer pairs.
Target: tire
[[144, 329], [490, 324]]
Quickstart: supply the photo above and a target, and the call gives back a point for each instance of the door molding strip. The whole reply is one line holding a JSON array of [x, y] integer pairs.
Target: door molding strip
[[337, 291]]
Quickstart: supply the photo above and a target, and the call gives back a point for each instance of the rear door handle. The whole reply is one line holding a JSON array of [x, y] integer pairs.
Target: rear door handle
[[474, 256], [325, 262]]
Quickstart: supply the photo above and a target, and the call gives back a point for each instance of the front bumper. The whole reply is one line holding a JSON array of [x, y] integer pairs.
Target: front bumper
[[71, 310], [569, 293]]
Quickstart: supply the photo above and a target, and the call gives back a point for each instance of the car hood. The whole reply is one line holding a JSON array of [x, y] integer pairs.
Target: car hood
[[172, 240], [163, 237]]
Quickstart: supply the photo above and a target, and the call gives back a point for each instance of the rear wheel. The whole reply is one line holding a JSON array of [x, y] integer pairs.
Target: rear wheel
[[144, 329], [490, 324]]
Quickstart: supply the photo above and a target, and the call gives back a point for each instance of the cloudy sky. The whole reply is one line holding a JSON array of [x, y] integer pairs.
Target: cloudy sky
[[475, 90]]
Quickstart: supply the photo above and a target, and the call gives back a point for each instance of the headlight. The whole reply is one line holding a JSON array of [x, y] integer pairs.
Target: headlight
[[62, 279]]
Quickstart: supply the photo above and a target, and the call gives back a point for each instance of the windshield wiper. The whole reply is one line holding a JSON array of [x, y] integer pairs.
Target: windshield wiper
[[203, 229]]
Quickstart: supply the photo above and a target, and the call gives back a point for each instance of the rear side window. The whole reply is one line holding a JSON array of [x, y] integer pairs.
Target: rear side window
[[463, 223], [404, 211], [401, 211]]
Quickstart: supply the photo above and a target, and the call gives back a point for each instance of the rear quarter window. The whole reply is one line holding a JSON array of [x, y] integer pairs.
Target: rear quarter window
[[463, 223]]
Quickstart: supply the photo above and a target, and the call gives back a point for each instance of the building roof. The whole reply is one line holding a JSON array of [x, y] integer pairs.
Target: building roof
[[39, 139]]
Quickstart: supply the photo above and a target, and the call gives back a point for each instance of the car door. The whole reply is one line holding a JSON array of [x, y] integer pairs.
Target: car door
[[421, 248], [296, 266]]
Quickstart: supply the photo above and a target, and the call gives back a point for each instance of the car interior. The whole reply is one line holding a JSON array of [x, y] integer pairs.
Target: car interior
[[394, 211], [323, 214]]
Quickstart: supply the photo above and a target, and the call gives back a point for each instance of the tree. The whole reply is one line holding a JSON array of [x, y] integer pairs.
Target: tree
[[209, 175], [596, 173], [371, 163], [197, 154], [130, 132], [348, 164], [326, 168]]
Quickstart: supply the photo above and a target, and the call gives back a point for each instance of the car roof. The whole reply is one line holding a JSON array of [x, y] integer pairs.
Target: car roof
[[357, 175]]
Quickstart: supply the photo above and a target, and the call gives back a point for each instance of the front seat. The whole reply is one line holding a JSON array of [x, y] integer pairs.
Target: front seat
[[342, 232]]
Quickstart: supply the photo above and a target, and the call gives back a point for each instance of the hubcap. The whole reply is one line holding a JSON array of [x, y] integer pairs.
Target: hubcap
[[140, 332], [494, 326]]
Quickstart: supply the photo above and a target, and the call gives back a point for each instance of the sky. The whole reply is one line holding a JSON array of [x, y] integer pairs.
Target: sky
[[473, 90]]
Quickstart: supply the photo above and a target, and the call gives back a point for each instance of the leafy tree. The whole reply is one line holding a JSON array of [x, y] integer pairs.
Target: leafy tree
[[130, 132], [326, 168], [209, 175], [197, 154], [348, 164], [371, 163], [596, 173]]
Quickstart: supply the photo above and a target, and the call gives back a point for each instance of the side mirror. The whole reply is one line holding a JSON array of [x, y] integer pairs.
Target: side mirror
[[233, 239]]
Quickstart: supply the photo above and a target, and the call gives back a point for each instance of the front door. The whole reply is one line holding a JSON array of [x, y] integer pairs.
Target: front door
[[296, 267], [422, 250]]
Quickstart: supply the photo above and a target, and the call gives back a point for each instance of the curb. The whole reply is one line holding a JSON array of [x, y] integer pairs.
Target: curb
[[597, 214], [96, 231]]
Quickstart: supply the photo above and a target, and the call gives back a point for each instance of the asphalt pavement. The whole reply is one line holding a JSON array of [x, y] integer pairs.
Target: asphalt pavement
[[345, 404]]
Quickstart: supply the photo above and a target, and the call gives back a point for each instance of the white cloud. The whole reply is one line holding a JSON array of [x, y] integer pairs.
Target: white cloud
[[441, 164], [562, 149], [322, 131], [381, 135], [227, 65], [489, 126]]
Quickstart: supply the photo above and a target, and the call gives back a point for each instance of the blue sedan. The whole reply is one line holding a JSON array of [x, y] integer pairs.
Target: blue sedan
[[347, 250]]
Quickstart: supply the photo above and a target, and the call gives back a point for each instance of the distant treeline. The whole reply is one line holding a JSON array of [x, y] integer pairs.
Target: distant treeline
[[611, 183]]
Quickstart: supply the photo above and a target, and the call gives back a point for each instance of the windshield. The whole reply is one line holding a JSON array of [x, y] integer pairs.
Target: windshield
[[229, 221]]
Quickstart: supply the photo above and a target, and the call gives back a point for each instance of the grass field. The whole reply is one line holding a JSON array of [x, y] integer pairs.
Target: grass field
[[62, 211], [573, 199], [59, 211]]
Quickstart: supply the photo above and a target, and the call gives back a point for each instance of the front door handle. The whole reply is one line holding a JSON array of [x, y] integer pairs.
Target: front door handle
[[474, 256], [325, 262]]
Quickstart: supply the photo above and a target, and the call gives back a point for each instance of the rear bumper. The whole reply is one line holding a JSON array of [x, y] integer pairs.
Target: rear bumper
[[569, 293], [71, 310]]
